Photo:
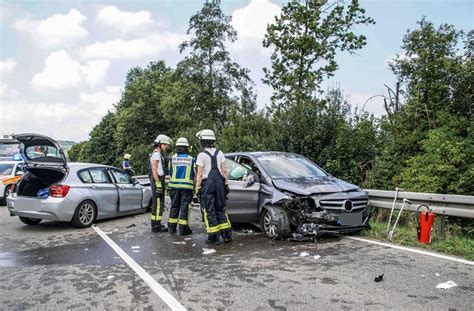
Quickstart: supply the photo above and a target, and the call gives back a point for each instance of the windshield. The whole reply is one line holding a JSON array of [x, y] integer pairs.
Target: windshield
[[6, 169], [9, 150], [282, 166]]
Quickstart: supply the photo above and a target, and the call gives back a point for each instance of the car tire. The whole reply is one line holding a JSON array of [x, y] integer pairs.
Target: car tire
[[30, 221], [85, 214], [275, 222]]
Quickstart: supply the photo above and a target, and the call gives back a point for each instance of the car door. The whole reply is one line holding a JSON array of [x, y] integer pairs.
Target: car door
[[104, 191], [130, 194], [242, 203]]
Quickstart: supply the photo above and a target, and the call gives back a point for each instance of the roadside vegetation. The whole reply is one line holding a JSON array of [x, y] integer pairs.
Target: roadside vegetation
[[458, 239], [424, 143]]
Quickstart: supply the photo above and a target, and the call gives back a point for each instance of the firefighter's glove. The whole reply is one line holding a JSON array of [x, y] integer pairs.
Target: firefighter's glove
[[227, 189], [159, 187]]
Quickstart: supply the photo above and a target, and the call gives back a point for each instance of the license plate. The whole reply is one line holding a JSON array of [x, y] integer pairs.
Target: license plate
[[350, 219]]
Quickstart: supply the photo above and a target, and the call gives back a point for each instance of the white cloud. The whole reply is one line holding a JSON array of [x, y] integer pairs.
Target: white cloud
[[95, 71], [133, 49], [6, 67], [124, 21], [58, 30], [251, 23], [55, 118], [6, 91], [62, 72]]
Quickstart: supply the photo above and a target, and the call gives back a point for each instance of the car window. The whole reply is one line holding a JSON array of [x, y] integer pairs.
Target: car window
[[85, 176], [121, 177], [9, 150], [248, 163], [235, 171], [99, 176], [282, 166], [6, 169], [43, 154]]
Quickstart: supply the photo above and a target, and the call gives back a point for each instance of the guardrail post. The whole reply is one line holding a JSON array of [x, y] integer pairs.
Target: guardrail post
[[442, 227]]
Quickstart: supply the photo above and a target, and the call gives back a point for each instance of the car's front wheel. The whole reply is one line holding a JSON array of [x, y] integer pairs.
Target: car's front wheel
[[275, 222], [30, 221], [85, 215]]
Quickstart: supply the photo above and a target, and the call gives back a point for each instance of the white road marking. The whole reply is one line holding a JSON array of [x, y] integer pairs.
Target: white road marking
[[413, 250], [152, 283]]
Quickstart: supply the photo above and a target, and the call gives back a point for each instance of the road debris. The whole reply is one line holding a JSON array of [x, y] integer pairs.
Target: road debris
[[303, 254], [446, 285], [132, 225], [316, 257], [194, 245], [110, 277], [379, 278], [135, 247], [247, 231], [136, 251], [180, 243], [437, 274], [187, 239], [207, 251]]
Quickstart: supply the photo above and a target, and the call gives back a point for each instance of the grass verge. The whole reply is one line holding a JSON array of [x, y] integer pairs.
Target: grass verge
[[459, 238]]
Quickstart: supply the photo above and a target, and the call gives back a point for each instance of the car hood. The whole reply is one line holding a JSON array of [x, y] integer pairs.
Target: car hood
[[314, 185]]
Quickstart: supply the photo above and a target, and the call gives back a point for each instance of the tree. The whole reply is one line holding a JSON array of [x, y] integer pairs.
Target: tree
[[306, 38], [219, 80], [74, 153]]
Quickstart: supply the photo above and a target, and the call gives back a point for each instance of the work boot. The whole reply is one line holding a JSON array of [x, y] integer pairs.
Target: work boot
[[158, 227], [172, 228], [226, 236], [185, 230], [212, 239]]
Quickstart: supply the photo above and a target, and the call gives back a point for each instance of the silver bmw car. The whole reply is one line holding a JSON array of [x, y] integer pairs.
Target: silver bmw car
[[79, 193]]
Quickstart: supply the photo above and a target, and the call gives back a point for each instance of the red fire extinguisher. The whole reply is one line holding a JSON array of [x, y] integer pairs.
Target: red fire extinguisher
[[425, 223]]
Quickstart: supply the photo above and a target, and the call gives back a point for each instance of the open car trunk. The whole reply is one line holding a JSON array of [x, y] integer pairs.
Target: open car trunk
[[37, 179]]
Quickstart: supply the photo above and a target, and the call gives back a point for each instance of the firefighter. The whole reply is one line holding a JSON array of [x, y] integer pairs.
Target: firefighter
[[212, 188], [182, 171], [126, 165], [157, 179]]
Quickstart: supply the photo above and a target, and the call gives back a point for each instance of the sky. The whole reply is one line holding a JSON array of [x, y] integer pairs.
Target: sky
[[63, 63]]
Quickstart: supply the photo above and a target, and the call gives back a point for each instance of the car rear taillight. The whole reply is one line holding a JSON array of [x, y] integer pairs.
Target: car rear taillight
[[59, 191]]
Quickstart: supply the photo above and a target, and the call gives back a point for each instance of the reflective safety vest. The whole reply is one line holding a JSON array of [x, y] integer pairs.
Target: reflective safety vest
[[181, 167]]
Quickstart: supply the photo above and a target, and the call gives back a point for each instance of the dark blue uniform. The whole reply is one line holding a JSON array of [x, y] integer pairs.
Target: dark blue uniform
[[213, 201], [181, 170]]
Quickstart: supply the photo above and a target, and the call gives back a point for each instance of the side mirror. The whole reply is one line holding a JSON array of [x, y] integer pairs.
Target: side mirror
[[134, 181], [251, 179]]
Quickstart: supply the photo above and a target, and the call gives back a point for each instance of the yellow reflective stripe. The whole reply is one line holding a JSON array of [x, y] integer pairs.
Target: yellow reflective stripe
[[182, 222], [209, 229], [173, 220], [223, 226], [188, 173], [181, 186], [153, 217]]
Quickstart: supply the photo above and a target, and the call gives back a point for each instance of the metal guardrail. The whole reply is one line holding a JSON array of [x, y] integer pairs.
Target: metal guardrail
[[441, 204]]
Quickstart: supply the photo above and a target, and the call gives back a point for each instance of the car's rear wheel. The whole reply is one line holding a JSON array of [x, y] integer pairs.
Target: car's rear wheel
[[85, 215], [275, 222], [30, 221]]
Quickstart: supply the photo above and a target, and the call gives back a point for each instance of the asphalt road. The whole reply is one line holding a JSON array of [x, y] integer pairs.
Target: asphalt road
[[54, 266]]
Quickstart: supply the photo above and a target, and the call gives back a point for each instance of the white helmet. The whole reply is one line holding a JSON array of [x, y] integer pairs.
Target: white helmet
[[162, 139], [206, 135], [127, 156], [182, 142]]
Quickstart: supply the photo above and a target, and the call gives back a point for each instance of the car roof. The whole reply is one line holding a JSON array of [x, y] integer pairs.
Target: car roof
[[80, 165], [259, 153]]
